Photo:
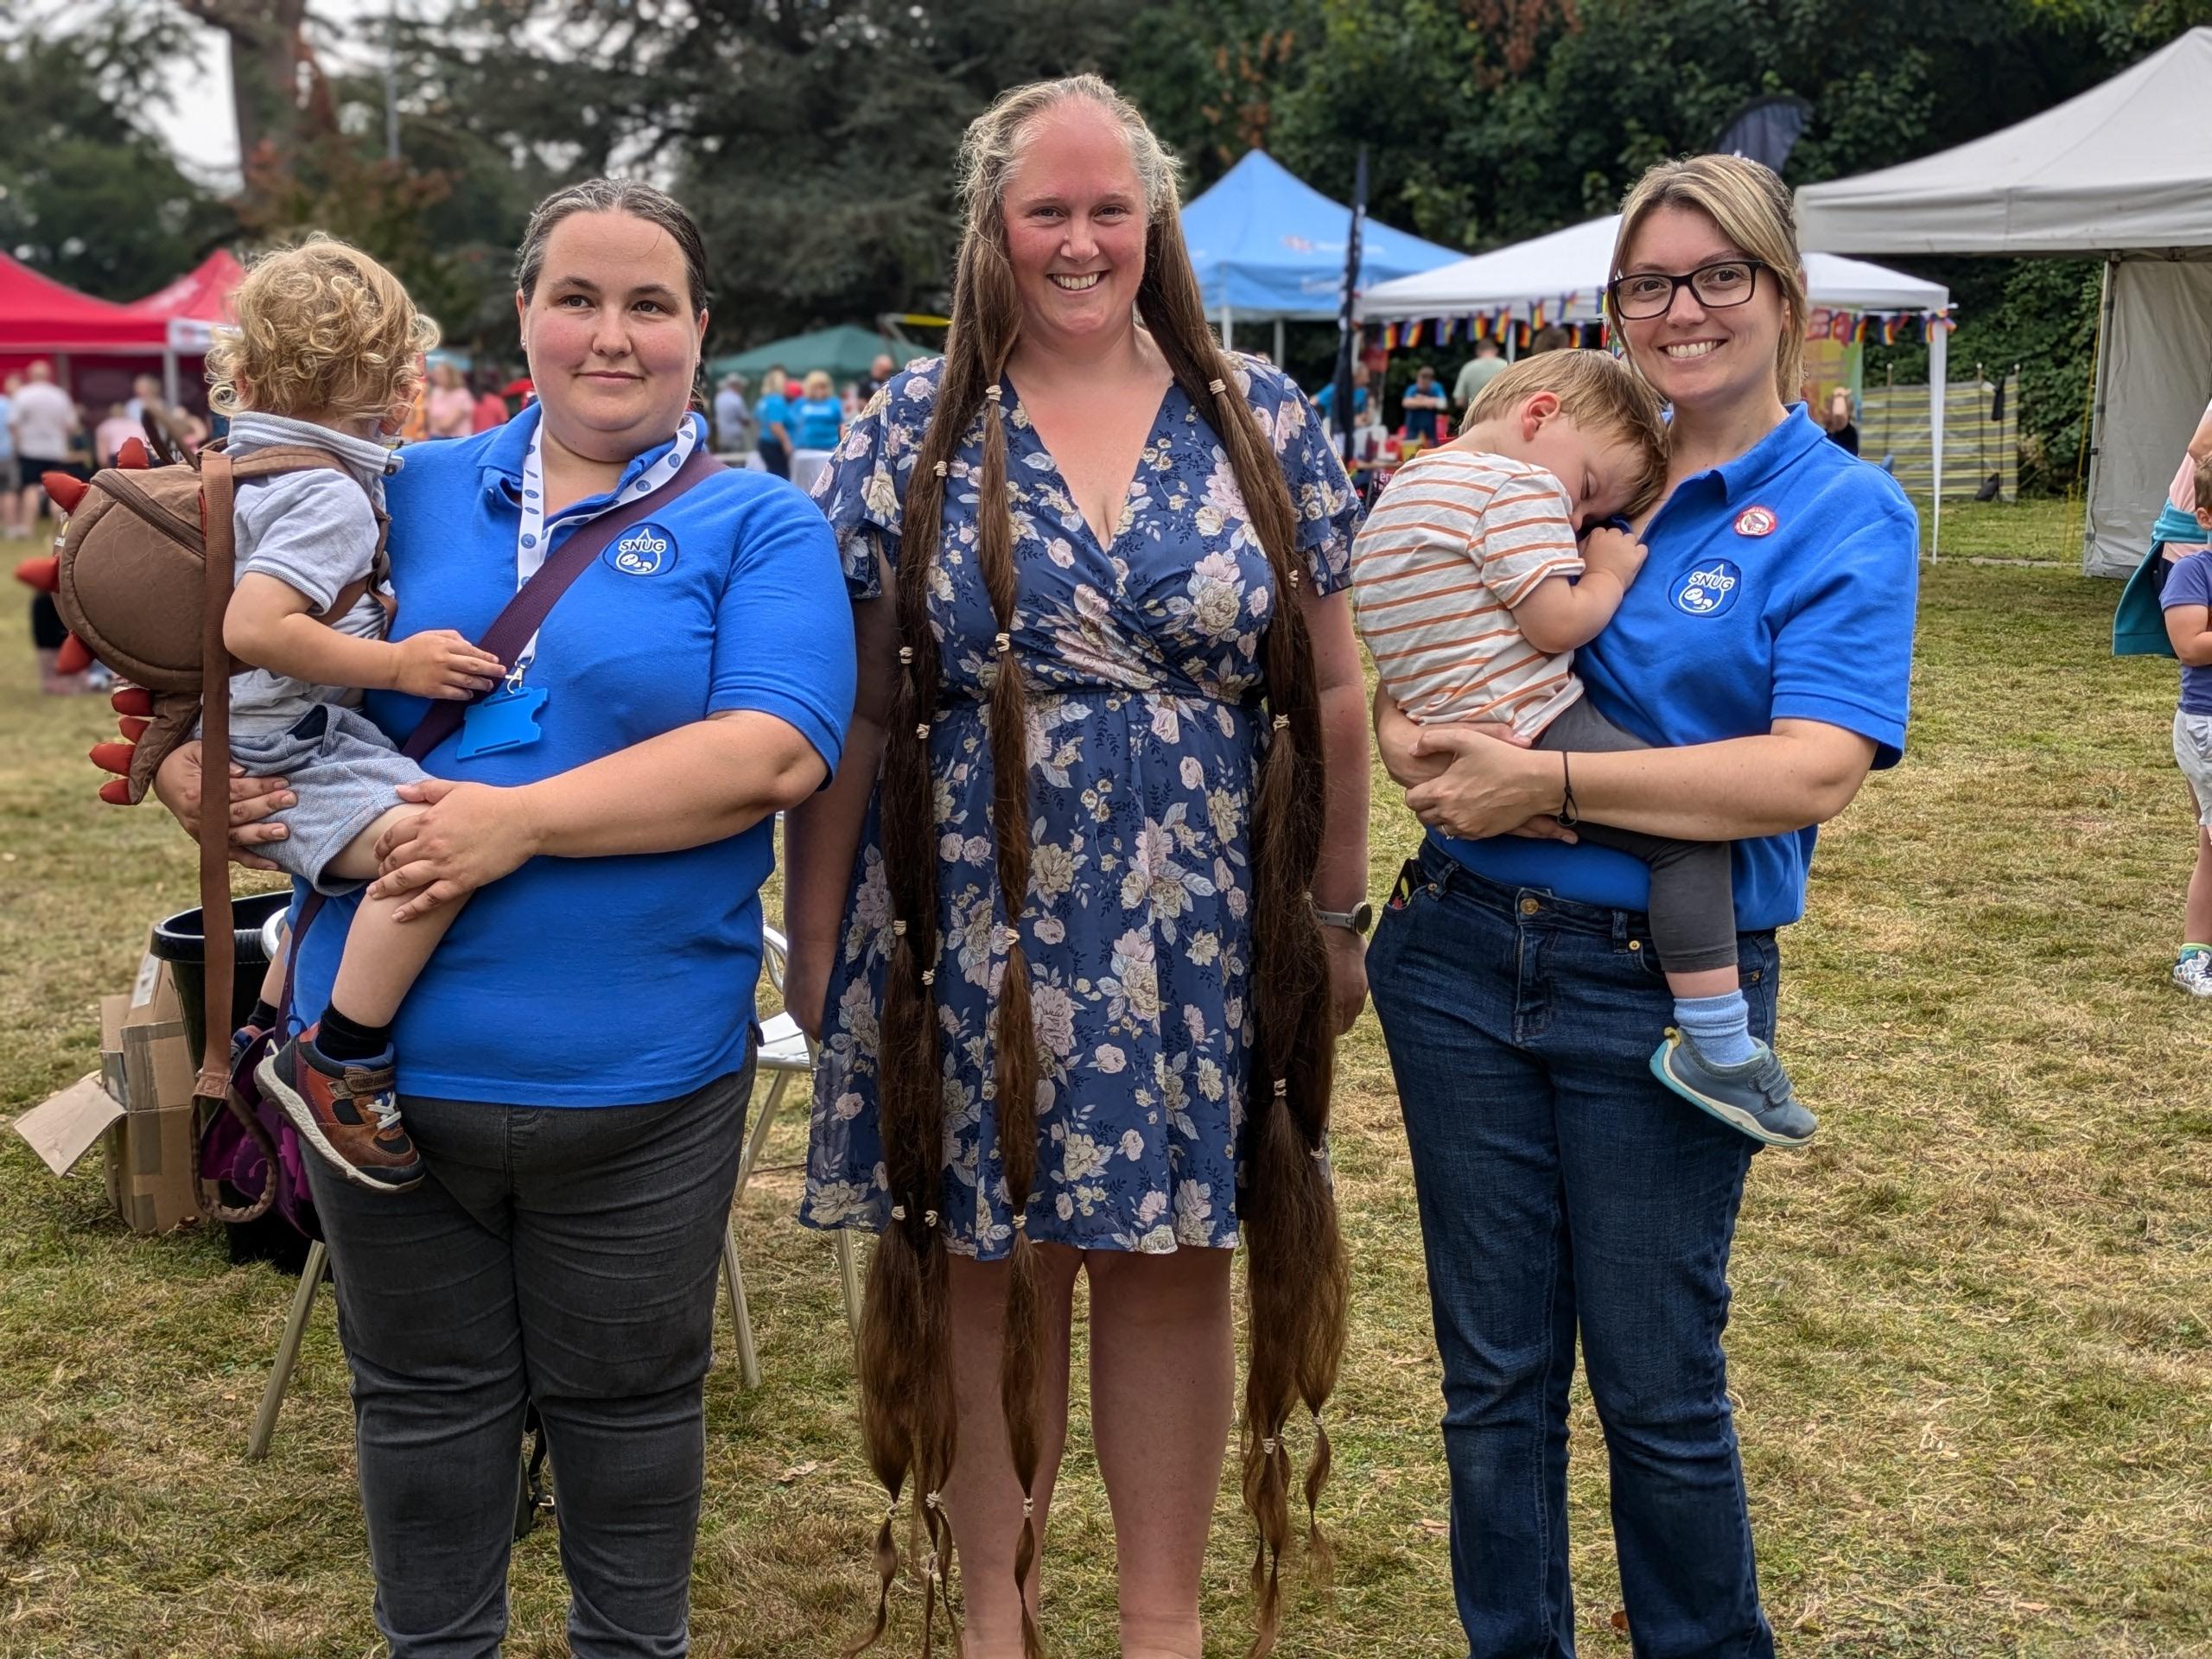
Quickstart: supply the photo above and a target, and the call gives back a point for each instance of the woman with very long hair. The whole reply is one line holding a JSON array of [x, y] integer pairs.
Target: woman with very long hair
[[1062, 922]]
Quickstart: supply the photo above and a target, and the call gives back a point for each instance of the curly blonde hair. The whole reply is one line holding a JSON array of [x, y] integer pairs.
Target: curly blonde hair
[[323, 331]]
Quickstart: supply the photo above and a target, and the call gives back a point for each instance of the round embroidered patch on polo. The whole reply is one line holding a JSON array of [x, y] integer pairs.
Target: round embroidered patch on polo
[[1756, 521], [645, 550]]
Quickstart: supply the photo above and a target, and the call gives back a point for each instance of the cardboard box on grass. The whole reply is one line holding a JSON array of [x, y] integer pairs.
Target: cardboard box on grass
[[139, 1103]]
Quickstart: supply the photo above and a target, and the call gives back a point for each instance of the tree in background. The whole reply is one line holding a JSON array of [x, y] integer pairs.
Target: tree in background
[[88, 194]]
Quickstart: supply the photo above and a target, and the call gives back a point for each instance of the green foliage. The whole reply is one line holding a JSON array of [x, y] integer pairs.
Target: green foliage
[[88, 195]]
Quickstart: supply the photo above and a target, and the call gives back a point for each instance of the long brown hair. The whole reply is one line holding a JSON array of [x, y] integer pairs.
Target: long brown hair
[[1297, 1279]]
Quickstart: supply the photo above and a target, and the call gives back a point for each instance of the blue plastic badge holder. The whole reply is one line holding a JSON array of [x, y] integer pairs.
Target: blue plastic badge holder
[[505, 720]]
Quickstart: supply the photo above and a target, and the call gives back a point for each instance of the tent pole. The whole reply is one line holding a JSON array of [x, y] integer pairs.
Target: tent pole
[[1278, 359], [168, 376], [1939, 370], [1227, 328]]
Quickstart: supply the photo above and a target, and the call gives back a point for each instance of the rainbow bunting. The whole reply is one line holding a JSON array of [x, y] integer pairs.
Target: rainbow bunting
[[1411, 337], [1537, 315]]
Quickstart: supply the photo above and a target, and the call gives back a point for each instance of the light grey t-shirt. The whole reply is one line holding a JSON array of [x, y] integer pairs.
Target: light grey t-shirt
[[314, 531]]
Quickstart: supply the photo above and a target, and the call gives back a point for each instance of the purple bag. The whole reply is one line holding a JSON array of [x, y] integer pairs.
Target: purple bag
[[228, 1155]]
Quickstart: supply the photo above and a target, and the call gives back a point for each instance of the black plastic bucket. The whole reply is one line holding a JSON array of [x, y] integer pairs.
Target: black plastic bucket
[[182, 942]]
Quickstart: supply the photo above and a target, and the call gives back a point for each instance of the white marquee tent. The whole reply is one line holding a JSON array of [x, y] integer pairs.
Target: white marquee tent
[[1566, 272], [2125, 171]]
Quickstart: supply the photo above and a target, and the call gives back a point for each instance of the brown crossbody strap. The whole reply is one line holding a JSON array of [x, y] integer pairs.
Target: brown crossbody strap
[[210, 1090]]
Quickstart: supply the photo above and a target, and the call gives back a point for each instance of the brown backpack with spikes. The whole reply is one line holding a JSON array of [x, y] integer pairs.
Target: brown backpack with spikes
[[132, 584], [144, 573]]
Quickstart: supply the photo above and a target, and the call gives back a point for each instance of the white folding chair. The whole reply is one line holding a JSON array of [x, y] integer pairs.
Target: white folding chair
[[785, 1052]]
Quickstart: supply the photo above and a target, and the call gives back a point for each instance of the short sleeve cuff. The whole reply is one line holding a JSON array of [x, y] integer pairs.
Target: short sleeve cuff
[[1883, 730], [824, 735]]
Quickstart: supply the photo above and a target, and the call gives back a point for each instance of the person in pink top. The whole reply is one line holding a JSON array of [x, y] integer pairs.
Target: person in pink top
[[452, 406]]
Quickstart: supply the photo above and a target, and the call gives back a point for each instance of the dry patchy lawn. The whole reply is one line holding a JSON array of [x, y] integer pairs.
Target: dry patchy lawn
[[1973, 1333]]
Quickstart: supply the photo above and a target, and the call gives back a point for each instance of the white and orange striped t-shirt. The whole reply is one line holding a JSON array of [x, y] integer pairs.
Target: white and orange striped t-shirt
[[1455, 541]]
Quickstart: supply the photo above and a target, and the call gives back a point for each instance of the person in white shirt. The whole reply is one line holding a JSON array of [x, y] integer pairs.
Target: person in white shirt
[[42, 420]]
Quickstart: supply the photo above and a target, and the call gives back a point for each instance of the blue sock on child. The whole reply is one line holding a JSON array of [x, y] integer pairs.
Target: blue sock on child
[[1720, 1025]]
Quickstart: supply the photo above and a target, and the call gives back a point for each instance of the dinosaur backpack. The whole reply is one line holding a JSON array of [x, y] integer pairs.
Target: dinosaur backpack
[[128, 574], [142, 574]]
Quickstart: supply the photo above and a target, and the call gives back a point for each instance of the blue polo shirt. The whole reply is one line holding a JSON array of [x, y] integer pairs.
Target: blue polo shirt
[[602, 981], [772, 409], [817, 424], [1780, 586]]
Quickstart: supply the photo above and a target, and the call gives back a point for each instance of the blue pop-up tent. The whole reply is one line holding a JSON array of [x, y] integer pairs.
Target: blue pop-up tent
[[1267, 245]]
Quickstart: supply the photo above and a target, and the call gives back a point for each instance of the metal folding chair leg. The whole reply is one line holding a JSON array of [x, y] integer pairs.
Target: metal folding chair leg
[[748, 1356], [288, 1352], [849, 1270]]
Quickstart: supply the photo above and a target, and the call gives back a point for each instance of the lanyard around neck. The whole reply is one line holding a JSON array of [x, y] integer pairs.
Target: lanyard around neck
[[533, 537]]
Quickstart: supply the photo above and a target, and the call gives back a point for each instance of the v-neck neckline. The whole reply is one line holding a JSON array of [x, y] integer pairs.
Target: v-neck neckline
[[1107, 542]]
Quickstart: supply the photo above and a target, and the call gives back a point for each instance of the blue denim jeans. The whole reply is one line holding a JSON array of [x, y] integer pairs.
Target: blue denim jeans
[[1563, 1190]]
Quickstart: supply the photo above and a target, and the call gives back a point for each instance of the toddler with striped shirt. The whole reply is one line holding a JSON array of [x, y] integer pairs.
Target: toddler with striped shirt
[[1472, 593]]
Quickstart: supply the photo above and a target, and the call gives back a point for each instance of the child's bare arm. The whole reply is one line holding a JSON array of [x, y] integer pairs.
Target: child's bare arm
[[268, 626], [2189, 628], [1561, 615]]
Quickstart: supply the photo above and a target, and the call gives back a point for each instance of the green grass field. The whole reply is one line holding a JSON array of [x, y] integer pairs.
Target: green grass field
[[1972, 1338]]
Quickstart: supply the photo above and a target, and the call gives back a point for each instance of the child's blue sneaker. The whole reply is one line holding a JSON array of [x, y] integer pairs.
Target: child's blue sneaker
[[1755, 1097]]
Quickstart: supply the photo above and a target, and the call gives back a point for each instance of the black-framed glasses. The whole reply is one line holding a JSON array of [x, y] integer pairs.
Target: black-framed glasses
[[1717, 286]]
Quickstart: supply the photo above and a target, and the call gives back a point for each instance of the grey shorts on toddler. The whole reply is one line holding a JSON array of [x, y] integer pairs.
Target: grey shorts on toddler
[[346, 774]]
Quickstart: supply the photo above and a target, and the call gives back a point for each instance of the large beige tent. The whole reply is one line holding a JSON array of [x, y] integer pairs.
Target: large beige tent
[[2125, 171]]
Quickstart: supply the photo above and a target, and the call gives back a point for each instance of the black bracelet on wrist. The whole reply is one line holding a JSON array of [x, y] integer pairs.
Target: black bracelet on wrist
[[1568, 816]]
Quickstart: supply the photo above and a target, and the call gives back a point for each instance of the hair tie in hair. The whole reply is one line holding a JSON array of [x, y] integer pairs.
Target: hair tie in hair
[[922, 730], [1028, 1508], [1012, 933], [897, 1213], [929, 975], [936, 1500], [994, 392], [929, 1219], [890, 1514], [1320, 1155], [1216, 387], [1282, 721], [942, 469], [898, 930], [1267, 1445], [1006, 644], [1316, 1412], [906, 653], [1282, 1088], [1021, 1224], [929, 1568]]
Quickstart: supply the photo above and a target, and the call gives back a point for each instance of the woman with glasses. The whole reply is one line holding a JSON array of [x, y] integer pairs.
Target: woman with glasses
[[1766, 646]]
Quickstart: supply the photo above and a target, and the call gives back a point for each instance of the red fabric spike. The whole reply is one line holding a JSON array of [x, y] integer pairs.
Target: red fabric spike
[[132, 700], [116, 792], [132, 456], [113, 757], [64, 491], [133, 729], [43, 573], [74, 657]]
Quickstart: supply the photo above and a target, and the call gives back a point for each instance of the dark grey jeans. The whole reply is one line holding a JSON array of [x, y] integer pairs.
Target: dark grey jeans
[[1693, 904], [563, 1256]]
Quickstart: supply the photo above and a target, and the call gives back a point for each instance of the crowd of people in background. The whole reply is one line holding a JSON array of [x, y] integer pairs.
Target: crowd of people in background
[[791, 426]]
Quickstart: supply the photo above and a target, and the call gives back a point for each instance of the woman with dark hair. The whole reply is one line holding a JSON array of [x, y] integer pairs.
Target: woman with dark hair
[[695, 679], [1565, 1195], [1078, 920]]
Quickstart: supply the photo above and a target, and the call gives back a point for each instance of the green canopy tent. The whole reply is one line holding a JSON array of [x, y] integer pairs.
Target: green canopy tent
[[845, 352]]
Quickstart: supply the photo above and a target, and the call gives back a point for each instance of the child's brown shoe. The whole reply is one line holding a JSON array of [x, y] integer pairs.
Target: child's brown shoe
[[348, 1112]]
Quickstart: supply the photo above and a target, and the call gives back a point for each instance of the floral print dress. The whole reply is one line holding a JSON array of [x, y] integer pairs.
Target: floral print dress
[[1143, 664]]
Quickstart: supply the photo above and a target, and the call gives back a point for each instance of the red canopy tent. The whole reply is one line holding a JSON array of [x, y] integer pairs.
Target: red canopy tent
[[189, 309], [40, 317], [201, 296]]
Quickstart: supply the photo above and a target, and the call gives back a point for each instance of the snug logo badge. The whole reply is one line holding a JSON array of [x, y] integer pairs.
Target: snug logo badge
[[1756, 521], [642, 551], [1709, 589]]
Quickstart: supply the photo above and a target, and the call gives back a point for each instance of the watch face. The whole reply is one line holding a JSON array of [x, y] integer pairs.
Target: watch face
[[1362, 919]]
